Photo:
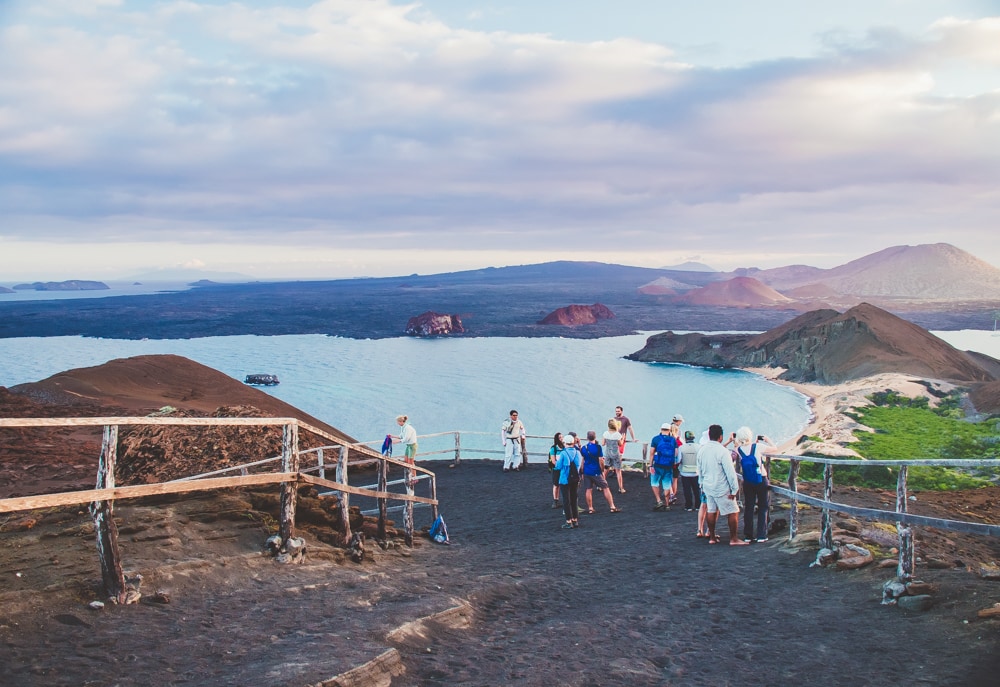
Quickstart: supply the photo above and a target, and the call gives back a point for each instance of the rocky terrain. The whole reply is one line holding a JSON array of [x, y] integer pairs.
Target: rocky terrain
[[576, 315], [828, 347], [434, 324]]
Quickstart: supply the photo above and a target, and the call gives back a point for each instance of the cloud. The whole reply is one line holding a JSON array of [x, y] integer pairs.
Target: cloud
[[350, 124]]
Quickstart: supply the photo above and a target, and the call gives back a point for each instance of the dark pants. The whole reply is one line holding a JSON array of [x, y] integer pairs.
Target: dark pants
[[755, 497], [692, 492], [569, 496]]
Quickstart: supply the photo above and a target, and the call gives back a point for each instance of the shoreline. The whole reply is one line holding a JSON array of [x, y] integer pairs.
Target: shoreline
[[829, 404]]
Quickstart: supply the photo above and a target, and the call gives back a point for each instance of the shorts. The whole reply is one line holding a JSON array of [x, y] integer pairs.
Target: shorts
[[613, 462], [555, 477], [411, 452], [722, 505], [661, 477], [677, 472], [598, 481]]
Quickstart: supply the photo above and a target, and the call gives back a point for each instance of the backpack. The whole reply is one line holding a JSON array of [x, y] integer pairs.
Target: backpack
[[439, 531], [666, 451], [574, 471], [748, 465]]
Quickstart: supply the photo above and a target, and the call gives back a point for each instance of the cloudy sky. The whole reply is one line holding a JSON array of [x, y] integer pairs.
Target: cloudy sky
[[376, 137]]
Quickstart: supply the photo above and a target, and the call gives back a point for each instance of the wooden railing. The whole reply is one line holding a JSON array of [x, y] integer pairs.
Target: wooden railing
[[291, 473], [903, 520]]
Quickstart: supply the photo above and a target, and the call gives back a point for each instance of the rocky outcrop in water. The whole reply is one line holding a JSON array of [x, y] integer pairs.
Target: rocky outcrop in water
[[575, 315], [434, 324], [70, 285], [827, 347]]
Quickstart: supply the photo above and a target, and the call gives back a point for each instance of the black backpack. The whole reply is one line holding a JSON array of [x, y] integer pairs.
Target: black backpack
[[574, 471]]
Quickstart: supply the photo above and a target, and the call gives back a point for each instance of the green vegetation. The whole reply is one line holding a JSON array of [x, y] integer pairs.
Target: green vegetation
[[908, 428]]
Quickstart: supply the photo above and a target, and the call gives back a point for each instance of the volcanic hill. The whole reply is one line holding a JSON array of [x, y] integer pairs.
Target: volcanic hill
[[828, 347]]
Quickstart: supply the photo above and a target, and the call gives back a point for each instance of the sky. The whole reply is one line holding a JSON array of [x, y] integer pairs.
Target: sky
[[305, 140]]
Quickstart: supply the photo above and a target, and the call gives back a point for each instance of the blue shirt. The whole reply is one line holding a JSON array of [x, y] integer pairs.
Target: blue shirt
[[591, 458], [567, 455]]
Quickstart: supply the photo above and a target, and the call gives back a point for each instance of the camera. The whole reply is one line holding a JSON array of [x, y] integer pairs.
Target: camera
[[760, 437]]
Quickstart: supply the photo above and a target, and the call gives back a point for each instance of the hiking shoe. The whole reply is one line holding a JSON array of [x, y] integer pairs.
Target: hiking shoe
[[660, 506], [556, 504], [567, 526], [761, 540]]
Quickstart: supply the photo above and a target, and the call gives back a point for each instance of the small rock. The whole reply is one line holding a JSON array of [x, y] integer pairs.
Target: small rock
[[887, 563], [892, 590], [851, 557], [824, 557], [96, 605], [937, 564], [160, 598], [918, 603], [917, 588], [989, 571]]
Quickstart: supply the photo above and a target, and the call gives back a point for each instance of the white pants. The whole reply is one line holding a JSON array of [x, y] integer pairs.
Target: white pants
[[512, 454]]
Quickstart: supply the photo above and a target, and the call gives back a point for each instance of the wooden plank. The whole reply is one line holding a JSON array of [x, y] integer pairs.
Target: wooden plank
[[361, 491], [104, 421], [345, 497], [72, 498], [890, 516], [289, 489], [826, 532], [904, 568], [793, 485]]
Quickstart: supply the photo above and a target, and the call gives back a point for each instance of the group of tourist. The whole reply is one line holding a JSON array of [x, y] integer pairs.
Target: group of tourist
[[711, 473]]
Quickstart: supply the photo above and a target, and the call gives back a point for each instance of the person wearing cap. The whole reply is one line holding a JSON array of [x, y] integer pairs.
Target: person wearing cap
[[661, 465], [720, 486], [567, 456], [593, 473], [688, 468], [676, 421]]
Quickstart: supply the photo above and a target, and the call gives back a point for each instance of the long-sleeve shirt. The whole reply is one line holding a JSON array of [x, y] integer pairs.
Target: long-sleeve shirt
[[716, 471]]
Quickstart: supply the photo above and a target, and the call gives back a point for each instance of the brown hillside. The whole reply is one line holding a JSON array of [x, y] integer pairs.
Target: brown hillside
[[574, 315], [863, 341], [740, 292], [146, 383]]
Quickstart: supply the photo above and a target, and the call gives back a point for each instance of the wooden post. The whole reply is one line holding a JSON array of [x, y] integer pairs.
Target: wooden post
[[904, 569], [458, 449], [793, 486], [826, 535], [434, 495], [408, 506], [289, 490], [645, 467], [383, 468], [104, 520], [345, 498], [319, 462]]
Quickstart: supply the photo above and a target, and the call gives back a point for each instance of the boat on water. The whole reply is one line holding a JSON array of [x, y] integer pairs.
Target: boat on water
[[261, 380]]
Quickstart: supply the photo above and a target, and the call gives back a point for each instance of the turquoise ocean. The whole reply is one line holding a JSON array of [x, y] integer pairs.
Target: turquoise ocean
[[467, 384]]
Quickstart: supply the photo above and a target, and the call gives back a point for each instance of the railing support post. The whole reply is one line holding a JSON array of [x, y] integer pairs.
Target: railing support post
[[289, 490], [345, 497], [793, 486], [408, 474], [904, 569], [458, 449], [383, 469], [103, 513], [320, 463], [826, 535]]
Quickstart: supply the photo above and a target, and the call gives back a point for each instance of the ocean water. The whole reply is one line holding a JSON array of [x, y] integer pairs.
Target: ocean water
[[469, 384], [359, 386]]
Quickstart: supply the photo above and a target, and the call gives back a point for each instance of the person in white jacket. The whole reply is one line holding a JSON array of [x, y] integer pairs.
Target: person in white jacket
[[513, 435], [720, 486]]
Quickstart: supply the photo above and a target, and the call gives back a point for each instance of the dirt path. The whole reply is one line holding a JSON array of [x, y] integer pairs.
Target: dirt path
[[631, 598]]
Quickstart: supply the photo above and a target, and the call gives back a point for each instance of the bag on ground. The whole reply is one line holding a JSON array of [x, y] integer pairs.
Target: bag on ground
[[439, 531]]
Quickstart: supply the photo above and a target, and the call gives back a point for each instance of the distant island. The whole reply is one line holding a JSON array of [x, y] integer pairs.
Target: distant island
[[69, 285]]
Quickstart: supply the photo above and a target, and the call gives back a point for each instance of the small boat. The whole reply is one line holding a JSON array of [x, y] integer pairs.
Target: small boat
[[261, 380]]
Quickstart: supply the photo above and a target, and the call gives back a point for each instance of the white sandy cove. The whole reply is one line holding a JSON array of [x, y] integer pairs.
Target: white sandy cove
[[829, 403]]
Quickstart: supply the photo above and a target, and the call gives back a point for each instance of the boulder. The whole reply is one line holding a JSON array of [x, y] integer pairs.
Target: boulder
[[852, 557], [919, 603], [575, 315], [434, 324]]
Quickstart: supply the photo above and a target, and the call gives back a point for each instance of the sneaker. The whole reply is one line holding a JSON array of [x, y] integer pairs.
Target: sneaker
[[747, 540], [567, 526], [659, 506], [761, 540], [689, 509], [556, 504]]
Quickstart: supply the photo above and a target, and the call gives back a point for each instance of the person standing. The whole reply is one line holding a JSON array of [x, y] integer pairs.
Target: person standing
[[688, 468], [661, 468], [513, 435], [408, 438], [593, 473], [676, 421], [569, 479], [756, 488], [720, 486], [611, 441], [625, 427], [557, 446]]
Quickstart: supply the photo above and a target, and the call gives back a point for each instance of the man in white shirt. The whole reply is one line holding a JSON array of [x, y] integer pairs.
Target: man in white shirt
[[513, 436], [720, 486]]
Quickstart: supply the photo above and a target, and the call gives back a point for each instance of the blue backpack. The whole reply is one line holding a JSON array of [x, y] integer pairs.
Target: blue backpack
[[439, 531], [748, 464], [666, 451]]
